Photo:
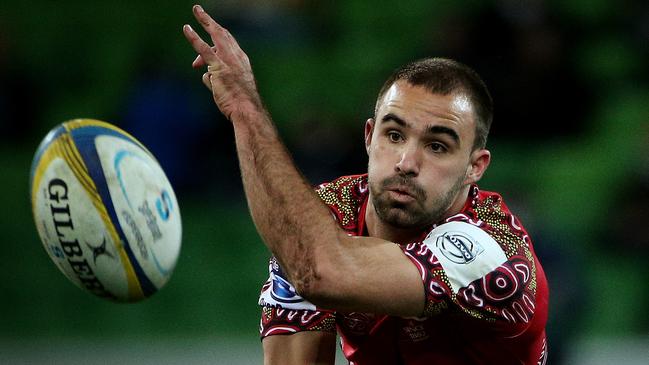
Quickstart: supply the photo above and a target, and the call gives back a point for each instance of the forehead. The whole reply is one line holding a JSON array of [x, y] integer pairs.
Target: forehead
[[417, 105]]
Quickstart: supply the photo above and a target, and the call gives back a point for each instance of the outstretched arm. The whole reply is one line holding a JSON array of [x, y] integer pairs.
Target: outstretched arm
[[326, 266]]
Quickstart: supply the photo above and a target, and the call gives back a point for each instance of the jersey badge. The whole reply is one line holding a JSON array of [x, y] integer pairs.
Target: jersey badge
[[458, 247]]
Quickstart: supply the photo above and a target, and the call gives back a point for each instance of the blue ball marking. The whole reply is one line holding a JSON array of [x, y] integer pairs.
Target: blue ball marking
[[164, 206], [84, 139]]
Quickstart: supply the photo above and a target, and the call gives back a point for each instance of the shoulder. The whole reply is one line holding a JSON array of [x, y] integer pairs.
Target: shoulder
[[464, 251], [487, 211], [481, 238], [343, 187], [345, 196], [482, 261]]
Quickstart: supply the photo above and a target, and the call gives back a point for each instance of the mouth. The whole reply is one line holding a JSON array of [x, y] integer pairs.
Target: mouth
[[402, 190], [401, 194]]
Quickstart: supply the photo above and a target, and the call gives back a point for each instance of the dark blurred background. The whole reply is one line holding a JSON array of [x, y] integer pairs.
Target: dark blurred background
[[570, 146]]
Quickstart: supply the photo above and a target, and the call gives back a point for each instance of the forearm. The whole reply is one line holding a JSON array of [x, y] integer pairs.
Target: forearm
[[319, 259], [292, 221], [294, 224], [326, 267]]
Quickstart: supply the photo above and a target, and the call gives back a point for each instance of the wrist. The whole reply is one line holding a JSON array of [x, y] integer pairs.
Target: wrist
[[249, 115], [252, 125]]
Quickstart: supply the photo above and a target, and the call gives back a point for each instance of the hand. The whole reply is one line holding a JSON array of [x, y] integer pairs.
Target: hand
[[229, 75]]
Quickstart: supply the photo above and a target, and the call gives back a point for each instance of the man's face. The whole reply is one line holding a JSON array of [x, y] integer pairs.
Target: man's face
[[420, 155]]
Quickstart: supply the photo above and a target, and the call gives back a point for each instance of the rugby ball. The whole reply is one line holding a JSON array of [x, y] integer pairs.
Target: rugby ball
[[104, 210]]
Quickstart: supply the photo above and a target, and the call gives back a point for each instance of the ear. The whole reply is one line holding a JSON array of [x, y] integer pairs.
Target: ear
[[480, 160], [369, 129]]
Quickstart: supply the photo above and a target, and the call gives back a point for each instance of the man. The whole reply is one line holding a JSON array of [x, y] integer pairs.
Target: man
[[418, 265]]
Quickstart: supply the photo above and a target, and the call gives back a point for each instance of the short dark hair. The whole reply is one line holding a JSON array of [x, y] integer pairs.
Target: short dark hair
[[445, 76]]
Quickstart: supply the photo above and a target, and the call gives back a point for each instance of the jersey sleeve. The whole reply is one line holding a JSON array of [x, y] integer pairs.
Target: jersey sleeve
[[481, 272], [284, 311]]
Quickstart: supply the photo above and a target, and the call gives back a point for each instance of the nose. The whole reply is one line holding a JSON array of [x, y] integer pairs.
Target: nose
[[409, 162]]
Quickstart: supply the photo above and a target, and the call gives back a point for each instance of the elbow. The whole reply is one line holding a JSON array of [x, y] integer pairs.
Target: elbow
[[308, 288], [307, 282], [318, 289], [319, 280]]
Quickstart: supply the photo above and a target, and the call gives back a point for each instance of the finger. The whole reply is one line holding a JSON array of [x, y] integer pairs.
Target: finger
[[203, 49], [214, 29], [206, 81], [198, 62]]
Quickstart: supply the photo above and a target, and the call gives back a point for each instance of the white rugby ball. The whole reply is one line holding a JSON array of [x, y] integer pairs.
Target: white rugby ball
[[105, 210]]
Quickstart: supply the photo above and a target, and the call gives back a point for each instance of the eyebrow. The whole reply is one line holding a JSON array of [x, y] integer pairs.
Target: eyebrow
[[435, 129]]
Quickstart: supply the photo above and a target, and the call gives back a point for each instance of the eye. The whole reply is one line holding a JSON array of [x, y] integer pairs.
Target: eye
[[437, 147], [394, 136]]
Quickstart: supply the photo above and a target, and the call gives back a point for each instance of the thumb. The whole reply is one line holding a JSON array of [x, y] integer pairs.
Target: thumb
[[207, 80]]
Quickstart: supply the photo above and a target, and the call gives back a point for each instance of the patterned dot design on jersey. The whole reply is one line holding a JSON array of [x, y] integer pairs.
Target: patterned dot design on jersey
[[492, 297], [504, 231], [343, 198]]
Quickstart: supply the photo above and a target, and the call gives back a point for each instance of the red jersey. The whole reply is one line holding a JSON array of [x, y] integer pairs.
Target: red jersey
[[486, 292]]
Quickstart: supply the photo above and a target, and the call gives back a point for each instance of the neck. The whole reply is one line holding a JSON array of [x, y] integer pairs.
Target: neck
[[380, 229]]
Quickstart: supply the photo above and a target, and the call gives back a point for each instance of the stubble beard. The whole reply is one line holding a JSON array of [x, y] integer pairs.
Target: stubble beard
[[415, 214]]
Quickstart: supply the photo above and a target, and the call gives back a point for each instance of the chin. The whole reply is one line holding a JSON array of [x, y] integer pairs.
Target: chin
[[398, 218]]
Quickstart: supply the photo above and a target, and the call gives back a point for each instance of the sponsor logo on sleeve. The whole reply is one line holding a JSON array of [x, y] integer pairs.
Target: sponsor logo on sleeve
[[458, 247], [280, 293], [283, 292], [465, 252]]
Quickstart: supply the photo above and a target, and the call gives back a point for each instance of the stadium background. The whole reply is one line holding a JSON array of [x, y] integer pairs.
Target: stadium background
[[570, 146]]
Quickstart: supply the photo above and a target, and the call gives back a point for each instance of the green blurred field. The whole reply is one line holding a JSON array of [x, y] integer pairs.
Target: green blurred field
[[571, 179]]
